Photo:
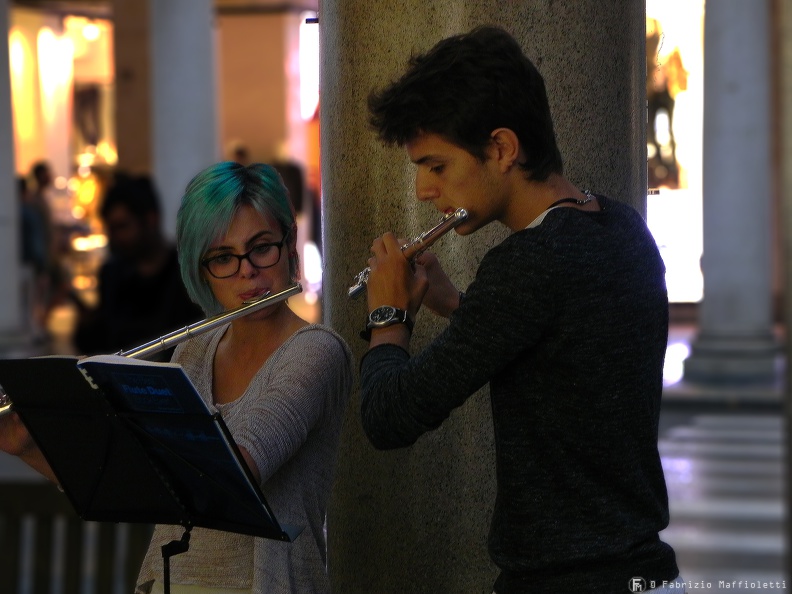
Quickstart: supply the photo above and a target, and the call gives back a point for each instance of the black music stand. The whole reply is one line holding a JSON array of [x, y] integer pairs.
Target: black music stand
[[132, 441]]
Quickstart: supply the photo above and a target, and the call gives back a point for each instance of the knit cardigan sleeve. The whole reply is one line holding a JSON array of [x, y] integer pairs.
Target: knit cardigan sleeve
[[501, 316], [304, 386]]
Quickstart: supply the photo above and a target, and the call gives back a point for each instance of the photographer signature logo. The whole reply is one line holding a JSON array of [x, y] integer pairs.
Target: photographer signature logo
[[637, 584]]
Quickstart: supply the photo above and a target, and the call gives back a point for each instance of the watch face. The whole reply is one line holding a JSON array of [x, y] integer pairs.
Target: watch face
[[382, 314]]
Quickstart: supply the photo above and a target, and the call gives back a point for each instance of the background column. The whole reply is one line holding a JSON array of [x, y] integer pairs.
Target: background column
[[184, 97], [735, 341], [417, 519], [132, 50], [14, 330], [784, 73], [12, 319]]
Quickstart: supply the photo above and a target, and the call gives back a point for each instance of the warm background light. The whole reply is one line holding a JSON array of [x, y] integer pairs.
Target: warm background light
[[309, 66], [90, 31], [21, 62], [56, 57]]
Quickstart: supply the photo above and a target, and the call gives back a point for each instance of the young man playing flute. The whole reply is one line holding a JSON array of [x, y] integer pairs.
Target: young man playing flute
[[566, 319]]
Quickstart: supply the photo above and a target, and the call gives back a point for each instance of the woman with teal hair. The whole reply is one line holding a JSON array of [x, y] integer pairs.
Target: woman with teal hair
[[280, 383], [210, 202]]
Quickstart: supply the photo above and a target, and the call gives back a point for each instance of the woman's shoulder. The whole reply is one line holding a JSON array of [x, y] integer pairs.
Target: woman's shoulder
[[320, 337], [198, 345], [318, 351]]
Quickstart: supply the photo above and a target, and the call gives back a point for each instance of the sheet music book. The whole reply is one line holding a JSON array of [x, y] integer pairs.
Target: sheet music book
[[133, 441]]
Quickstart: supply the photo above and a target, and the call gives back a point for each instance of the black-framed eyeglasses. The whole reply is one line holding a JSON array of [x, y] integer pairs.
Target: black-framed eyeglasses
[[261, 255]]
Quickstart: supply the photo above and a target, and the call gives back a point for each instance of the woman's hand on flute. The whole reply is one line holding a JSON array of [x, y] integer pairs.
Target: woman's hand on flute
[[17, 441], [14, 436]]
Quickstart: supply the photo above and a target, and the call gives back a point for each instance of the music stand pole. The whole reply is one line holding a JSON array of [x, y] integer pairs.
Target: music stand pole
[[174, 547]]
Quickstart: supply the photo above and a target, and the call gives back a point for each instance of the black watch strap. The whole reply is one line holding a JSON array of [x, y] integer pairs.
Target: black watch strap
[[365, 334]]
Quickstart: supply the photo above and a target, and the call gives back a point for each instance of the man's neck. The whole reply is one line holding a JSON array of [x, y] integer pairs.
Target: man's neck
[[531, 198]]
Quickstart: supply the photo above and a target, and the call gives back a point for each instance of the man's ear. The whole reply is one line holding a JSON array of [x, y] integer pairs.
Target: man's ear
[[505, 147]]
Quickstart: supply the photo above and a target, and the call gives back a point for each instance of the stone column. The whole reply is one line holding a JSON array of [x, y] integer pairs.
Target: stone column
[[133, 64], [417, 519], [735, 343], [183, 106], [12, 319], [784, 73]]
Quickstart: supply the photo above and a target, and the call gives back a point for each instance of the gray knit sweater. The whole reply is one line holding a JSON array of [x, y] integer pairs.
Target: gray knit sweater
[[289, 419], [568, 323]]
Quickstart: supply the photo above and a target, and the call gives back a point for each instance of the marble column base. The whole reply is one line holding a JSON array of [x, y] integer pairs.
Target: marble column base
[[737, 360]]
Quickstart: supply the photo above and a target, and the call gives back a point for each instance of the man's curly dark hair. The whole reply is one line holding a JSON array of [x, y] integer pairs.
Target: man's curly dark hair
[[465, 87]]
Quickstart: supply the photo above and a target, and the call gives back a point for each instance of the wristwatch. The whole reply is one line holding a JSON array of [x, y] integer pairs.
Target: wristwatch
[[387, 315], [384, 316]]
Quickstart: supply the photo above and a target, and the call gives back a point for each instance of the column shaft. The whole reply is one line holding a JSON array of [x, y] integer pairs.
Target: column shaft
[[12, 320], [416, 520], [133, 64], [784, 39], [184, 97], [735, 341]]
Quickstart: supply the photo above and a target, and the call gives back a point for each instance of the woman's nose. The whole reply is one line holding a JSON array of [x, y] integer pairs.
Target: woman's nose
[[246, 268]]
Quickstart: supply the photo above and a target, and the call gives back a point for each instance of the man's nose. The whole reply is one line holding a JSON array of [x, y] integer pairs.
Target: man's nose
[[424, 189]]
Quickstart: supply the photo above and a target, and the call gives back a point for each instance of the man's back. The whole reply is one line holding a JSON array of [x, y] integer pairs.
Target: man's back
[[568, 323], [581, 491]]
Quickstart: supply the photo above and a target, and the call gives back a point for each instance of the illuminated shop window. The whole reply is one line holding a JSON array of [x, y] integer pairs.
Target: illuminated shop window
[[675, 91], [309, 65]]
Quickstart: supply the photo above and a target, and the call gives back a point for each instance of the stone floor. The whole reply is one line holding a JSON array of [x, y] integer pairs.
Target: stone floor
[[724, 450], [725, 474]]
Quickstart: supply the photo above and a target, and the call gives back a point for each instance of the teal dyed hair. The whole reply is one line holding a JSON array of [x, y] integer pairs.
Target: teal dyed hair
[[208, 206]]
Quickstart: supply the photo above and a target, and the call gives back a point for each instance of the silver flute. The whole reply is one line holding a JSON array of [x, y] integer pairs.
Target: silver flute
[[415, 247], [178, 336]]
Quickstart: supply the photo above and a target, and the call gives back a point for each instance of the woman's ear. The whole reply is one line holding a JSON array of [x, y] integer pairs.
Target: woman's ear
[[294, 257], [294, 266], [505, 147]]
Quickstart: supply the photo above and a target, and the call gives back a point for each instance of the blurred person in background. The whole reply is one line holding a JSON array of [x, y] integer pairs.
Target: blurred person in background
[[141, 295], [50, 284], [33, 251]]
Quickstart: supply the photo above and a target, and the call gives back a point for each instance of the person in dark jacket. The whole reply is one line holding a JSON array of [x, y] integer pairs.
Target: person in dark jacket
[[141, 294], [566, 319]]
